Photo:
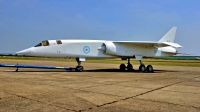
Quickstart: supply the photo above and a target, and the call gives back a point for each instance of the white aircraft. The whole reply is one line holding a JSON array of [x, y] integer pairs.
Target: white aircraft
[[81, 49]]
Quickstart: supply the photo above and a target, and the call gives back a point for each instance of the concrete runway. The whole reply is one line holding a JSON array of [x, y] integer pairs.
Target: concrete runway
[[101, 87]]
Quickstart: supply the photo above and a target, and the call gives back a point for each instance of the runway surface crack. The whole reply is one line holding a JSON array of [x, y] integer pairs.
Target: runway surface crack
[[126, 98], [20, 96]]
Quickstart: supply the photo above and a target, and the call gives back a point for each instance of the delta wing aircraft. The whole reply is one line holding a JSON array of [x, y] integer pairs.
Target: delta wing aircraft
[[81, 49]]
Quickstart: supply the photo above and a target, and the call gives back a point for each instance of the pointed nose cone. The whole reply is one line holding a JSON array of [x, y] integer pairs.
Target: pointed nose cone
[[25, 52]]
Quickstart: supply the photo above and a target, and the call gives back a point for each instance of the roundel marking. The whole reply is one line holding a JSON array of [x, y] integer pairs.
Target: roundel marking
[[86, 49]]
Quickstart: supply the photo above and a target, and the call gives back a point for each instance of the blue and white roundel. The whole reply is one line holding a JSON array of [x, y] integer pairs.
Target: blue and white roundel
[[86, 49]]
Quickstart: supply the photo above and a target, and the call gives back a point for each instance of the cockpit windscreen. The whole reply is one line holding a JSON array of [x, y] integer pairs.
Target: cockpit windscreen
[[43, 43], [38, 45]]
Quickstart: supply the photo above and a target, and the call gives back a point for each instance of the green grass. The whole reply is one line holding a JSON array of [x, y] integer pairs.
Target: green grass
[[195, 63]]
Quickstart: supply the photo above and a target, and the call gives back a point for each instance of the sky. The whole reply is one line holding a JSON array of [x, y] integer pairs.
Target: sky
[[25, 23]]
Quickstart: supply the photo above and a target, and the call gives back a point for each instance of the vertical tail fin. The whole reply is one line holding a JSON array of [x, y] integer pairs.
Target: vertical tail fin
[[169, 36]]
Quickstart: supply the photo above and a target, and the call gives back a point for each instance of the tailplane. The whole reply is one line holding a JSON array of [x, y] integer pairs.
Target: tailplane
[[169, 36]]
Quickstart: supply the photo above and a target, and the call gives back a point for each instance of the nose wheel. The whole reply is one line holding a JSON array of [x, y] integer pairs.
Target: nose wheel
[[79, 68]]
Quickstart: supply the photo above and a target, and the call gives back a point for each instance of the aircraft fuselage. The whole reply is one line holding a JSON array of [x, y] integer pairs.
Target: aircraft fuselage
[[96, 48]]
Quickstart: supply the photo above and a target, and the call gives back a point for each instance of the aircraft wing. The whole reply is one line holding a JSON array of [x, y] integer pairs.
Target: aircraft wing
[[149, 43], [173, 44]]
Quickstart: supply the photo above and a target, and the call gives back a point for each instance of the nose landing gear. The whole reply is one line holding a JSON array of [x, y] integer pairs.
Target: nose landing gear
[[79, 68]]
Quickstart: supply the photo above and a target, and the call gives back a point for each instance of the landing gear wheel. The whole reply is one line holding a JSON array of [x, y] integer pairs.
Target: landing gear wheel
[[130, 67], [142, 68], [149, 68], [79, 68], [122, 67]]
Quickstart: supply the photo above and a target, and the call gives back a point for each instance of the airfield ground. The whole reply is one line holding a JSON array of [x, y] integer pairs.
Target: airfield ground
[[101, 87]]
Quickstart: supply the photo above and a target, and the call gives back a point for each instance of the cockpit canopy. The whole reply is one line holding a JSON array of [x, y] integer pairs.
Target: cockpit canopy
[[47, 43]]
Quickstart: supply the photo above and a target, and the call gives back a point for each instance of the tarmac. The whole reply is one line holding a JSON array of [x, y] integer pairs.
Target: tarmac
[[100, 88]]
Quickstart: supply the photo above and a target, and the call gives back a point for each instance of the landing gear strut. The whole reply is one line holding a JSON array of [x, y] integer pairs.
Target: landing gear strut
[[129, 66], [79, 68], [142, 67]]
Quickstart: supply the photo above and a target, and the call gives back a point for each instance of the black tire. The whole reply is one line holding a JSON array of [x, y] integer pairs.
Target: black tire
[[142, 68], [130, 67], [149, 68], [122, 67], [79, 68]]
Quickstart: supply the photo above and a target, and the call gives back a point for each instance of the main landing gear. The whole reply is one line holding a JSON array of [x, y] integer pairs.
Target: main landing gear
[[79, 68], [142, 67], [129, 66]]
